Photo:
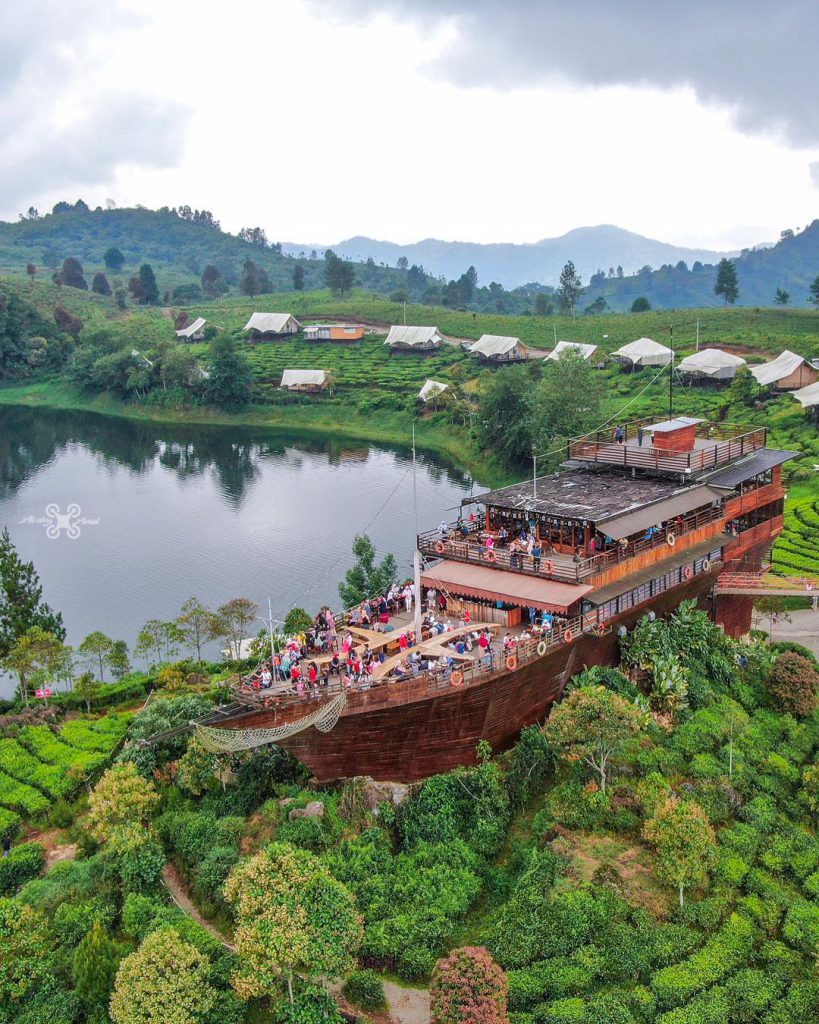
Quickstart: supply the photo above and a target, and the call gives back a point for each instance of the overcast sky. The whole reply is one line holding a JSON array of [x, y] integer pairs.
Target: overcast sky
[[476, 120]]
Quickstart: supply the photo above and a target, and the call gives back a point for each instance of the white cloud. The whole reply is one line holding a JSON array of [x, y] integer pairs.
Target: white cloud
[[70, 112]]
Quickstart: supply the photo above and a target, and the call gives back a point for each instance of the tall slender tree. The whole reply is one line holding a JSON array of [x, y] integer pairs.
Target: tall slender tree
[[570, 288], [21, 604], [727, 284]]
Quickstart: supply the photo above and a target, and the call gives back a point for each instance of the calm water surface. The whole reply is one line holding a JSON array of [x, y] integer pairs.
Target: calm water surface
[[216, 513]]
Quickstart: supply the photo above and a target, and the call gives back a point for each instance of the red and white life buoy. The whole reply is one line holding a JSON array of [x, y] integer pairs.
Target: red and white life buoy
[[457, 678], [542, 648], [688, 572], [440, 547], [490, 555], [512, 662], [568, 636], [549, 567]]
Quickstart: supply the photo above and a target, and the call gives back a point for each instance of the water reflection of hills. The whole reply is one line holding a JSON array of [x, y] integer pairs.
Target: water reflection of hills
[[31, 438]]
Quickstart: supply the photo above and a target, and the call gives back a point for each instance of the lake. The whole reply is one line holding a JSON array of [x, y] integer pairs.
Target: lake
[[125, 520]]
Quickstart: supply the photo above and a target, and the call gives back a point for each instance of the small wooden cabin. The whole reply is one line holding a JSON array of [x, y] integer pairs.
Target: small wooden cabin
[[787, 372], [270, 326], [333, 332]]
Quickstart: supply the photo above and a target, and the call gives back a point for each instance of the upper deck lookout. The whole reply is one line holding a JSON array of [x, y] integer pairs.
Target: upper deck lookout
[[682, 445]]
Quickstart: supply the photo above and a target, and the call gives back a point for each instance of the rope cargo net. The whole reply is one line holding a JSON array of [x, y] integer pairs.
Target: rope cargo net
[[220, 741]]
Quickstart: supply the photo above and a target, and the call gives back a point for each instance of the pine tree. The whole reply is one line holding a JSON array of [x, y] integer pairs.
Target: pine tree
[[298, 277], [570, 289], [95, 967], [727, 285], [114, 259], [21, 605]]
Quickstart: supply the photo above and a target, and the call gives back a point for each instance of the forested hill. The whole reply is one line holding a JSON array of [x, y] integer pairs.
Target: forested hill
[[162, 237], [791, 265]]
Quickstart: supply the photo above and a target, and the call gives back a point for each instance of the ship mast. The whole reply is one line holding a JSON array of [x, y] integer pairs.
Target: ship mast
[[416, 555]]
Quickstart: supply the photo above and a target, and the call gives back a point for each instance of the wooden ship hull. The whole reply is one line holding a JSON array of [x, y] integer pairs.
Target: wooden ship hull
[[402, 732]]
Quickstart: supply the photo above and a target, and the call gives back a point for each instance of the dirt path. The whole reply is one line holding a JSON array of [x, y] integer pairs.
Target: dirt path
[[176, 887], [55, 851], [407, 1005]]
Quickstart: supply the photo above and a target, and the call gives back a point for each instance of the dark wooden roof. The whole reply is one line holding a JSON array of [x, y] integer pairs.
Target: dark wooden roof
[[582, 496]]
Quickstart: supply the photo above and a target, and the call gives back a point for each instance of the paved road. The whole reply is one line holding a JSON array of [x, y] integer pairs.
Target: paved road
[[802, 629]]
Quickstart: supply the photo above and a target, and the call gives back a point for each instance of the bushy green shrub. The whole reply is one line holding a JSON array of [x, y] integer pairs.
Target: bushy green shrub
[[470, 804], [548, 979], [22, 864], [365, 989], [311, 1006], [801, 927], [561, 1011], [721, 954]]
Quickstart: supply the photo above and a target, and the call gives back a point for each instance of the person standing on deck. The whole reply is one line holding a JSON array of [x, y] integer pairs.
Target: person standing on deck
[[443, 529], [619, 434], [408, 598], [640, 436], [431, 599]]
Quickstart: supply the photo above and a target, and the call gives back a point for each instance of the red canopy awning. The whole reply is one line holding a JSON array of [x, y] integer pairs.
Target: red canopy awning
[[465, 580]]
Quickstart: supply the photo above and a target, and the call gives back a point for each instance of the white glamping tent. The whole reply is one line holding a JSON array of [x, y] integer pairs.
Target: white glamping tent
[[712, 363], [585, 351], [807, 397], [432, 389], [644, 352], [788, 371], [498, 349]]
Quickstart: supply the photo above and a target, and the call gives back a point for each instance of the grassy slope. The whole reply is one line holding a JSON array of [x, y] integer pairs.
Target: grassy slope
[[374, 394]]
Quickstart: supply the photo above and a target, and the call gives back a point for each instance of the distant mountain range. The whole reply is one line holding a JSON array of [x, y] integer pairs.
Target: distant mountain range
[[590, 249]]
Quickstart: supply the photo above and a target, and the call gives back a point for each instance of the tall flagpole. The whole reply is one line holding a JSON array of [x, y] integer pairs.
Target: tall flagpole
[[416, 556]]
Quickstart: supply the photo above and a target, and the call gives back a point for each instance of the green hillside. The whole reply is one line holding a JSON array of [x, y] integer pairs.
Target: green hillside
[[792, 264]]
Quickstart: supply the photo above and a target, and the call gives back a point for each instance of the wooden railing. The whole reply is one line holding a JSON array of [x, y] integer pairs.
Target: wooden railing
[[555, 566], [668, 461], [413, 687], [747, 502]]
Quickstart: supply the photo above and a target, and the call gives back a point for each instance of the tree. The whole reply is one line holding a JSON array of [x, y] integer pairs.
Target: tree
[[570, 288], [543, 304], [298, 278], [339, 276], [734, 722], [503, 424], [254, 236], [158, 638], [640, 305], [229, 383], [100, 285], [37, 658], [744, 388], [254, 280], [793, 684], [232, 622], [468, 987], [196, 768], [782, 298], [117, 659], [193, 624], [113, 259], [97, 647], [143, 287], [21, 604], [293, 918], [26, 960], [212, 281], [120, 806], [71, 274], [565, 404], [727, 285], [165, 981], [592, 725], [809, 793], [94, 967], [31, 270], [366, 578], [814, 291], [683, 841], [85, 689]]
